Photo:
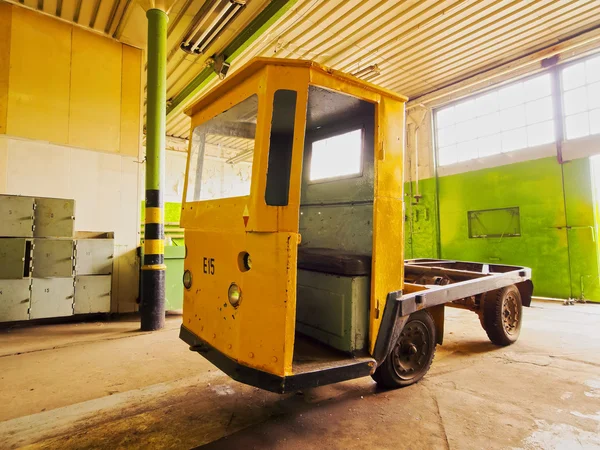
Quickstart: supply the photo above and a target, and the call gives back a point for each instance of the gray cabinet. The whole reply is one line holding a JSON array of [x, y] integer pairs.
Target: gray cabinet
[[52, 258], [94, 256], [15, 258], [46, 269], [15, 297], [54, 217], [51, 297], [92, 294], [16, 216]]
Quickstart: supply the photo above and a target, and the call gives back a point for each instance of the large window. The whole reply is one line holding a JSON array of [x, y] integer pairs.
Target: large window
[[222, 152], [513, 117], [336, 156], [581, 98]]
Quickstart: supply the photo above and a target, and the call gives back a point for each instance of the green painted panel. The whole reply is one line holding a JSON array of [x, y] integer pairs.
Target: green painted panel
[[421, 223], [172, 212], [579, 196], [535, 187]]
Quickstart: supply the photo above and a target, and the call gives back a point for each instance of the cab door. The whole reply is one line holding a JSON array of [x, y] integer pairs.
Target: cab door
[[241, 220]]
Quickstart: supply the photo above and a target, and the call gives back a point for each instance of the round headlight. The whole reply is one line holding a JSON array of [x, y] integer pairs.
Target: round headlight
[[187, 279], [234, 294]]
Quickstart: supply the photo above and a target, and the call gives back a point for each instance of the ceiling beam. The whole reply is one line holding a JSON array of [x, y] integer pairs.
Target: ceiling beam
[[95, 13], [123, 19], [112, 15], [77, 11]]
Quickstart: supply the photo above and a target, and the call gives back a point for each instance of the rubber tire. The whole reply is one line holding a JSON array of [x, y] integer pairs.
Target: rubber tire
[[491, 319], [385, 376]]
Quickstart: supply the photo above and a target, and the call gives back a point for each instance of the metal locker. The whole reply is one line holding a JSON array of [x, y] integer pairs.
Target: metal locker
[[52, 258], [16, 216], [92, 293], [51, 297], [94, 256], [54, 217], [15, 258], [15, 298]]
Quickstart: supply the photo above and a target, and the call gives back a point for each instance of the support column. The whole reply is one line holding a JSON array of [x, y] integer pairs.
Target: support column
[[152, 306]]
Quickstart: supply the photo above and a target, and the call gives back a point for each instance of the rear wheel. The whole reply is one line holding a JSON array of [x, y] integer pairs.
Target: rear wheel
[[412, 354], [502, 315]]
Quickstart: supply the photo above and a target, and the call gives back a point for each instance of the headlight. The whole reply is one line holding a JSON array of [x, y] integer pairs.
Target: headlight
[[187, 279], [234, 294]]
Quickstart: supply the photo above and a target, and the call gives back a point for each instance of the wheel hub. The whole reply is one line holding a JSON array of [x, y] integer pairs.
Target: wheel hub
[[410, 355], [510, 314]]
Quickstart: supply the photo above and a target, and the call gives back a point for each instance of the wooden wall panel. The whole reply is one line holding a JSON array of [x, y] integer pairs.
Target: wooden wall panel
[[131, 92], [95, 113], [38, 91]]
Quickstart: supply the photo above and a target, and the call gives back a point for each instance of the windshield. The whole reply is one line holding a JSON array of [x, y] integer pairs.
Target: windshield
[[222, 152]]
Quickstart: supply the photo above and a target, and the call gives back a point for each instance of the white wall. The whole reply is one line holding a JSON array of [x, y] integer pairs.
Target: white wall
[[174, 175], [105, 187]]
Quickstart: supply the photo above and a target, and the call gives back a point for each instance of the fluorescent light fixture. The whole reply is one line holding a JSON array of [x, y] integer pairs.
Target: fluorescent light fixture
[[243, 156], [367, 72], [211, 25]]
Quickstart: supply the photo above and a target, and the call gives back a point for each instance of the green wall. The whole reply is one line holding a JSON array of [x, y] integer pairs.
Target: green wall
[[562, 259], [421, 222]]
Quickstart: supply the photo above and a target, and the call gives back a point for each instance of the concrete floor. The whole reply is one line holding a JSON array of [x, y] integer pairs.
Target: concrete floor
[[106, 385]]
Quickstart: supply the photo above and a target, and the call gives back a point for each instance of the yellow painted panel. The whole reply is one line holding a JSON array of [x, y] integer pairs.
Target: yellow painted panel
[[95, 107], [131, 91], [38, 96], [388, 211], [5, 28], [260, 331]]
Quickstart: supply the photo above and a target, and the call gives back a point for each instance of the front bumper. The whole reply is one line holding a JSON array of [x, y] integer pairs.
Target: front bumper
[[269, 381]]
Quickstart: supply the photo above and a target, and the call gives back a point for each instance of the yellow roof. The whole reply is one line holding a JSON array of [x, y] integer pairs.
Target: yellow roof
[[258, 63]]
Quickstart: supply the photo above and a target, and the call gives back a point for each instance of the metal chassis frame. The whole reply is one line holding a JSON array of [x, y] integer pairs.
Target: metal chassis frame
[[476, 279]]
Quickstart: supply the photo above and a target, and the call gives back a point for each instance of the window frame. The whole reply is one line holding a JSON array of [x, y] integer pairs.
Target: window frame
[[483, 92], [332, 132], [561, 98], [190, 156]]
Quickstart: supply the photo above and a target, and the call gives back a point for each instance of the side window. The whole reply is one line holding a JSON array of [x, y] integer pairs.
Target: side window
[[222, 152], [338, 156], [280, 148]]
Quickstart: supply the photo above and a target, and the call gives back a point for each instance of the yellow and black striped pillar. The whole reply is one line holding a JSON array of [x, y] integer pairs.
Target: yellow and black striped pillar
[[152, 305]]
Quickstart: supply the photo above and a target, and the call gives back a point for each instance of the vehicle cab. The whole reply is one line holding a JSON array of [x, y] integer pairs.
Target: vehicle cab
[[293, 169]]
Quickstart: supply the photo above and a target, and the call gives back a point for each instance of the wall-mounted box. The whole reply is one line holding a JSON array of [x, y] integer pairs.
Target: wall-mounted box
[[53, 258], [16, 216], [92, 294], [15, 258], [15, 299], [494, 223], [94, 253], [54, 217], [51, 297]]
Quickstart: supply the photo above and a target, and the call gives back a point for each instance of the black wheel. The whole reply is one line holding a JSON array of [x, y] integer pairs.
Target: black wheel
[[502, 315], [412, 354]]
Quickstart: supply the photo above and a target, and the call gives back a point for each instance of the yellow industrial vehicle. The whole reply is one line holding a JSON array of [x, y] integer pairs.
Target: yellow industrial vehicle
[[293, 216]]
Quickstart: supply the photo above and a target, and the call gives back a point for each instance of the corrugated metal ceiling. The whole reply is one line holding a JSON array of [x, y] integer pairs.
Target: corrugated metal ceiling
[[418, 46]]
